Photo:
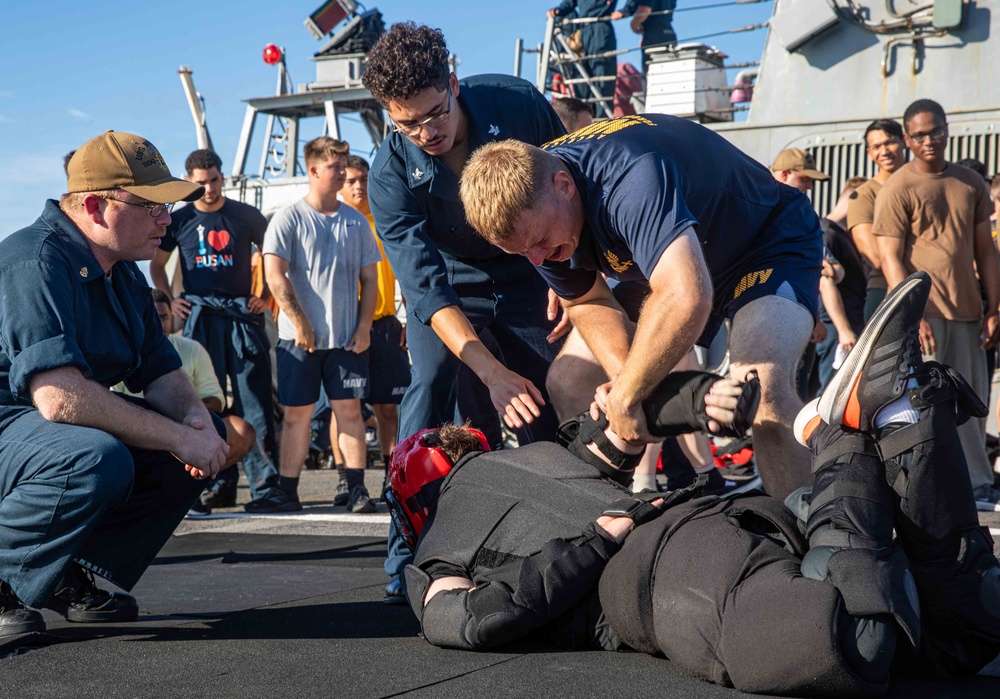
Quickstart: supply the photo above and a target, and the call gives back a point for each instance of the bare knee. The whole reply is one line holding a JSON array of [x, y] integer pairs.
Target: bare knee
[[573, 378], [241, 437]]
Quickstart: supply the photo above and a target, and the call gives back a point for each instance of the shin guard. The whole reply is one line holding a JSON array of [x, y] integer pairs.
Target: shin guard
[[850, 536]]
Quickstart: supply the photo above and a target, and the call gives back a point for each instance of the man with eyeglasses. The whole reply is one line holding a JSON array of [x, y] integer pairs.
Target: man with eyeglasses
[[934, 216], [92, 482], [457, 285], [884, 144], [214, 238]]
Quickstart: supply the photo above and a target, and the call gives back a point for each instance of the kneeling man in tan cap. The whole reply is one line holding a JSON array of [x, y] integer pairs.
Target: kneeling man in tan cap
[[92, 483]]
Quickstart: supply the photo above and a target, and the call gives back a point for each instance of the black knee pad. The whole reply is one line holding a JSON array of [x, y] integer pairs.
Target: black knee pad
[[873, 583]]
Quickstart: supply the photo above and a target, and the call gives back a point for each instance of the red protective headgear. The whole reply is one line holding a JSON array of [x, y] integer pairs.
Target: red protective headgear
[[415, 470]]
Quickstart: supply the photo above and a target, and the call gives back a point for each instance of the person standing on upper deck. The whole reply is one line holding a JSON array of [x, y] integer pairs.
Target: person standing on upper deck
[[597, 37], [653, 19], [934, 216]]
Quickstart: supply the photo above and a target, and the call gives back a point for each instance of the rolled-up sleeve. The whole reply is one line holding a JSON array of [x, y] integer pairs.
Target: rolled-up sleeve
[[41, 334], [403, 227]]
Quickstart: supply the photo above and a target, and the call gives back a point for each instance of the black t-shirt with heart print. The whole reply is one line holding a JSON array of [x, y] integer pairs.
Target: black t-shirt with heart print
[[215, 247]]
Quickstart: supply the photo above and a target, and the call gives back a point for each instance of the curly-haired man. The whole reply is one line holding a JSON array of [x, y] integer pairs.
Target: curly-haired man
[[456, 284]]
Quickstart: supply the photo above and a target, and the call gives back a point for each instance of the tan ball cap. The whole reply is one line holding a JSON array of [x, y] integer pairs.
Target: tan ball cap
[[798, 160], [119, 160]]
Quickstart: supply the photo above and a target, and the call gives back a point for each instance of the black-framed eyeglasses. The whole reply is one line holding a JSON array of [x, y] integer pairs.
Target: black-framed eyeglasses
[[934, 134], [436, 121], [155, 210]]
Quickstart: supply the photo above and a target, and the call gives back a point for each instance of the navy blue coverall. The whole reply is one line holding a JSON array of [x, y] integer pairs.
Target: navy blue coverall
[[597, 37], [68, 492], [441, 261]]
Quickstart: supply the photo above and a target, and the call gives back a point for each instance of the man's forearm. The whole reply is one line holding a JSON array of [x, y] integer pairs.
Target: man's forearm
[[368, 299], [284, 294], [173, 396], [607, 331], [667, 329], [891, 255], [834, 305], [458, 335], [65, 396]]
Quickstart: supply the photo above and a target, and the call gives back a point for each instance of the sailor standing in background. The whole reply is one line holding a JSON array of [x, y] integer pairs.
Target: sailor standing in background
[[597, 37]]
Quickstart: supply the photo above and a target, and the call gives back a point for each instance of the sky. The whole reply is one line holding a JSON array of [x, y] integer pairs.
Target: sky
[[73, 70]]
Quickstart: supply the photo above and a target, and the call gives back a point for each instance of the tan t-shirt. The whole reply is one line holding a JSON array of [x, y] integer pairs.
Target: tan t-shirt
[[861, 209], [937, 214]]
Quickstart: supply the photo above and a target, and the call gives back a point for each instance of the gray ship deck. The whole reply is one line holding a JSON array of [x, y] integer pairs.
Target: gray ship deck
[[292, 606]]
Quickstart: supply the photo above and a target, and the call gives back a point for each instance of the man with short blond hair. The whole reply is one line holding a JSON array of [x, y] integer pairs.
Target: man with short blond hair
[[659, 199], [316, 253], [91, 482]]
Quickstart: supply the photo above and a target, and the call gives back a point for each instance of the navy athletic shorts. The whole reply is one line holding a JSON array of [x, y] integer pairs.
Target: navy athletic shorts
[[788, 264], [342, 373], [388, 363]]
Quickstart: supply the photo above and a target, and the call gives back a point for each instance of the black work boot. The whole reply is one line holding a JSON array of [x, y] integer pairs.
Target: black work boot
[[15, 618], [78, 598]]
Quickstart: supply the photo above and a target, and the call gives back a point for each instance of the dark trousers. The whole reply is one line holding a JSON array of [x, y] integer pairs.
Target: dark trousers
[[250, 376], [75, 493]]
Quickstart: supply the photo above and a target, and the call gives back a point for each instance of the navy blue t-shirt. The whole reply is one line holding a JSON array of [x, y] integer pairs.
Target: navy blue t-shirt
[[215, 247], [646, 179]]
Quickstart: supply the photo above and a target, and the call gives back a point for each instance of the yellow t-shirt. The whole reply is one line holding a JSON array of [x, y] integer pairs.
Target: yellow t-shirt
[[196, 363], [386, 305]]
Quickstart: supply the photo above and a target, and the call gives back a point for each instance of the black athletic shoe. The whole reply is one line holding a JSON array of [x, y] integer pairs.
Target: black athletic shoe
[[79, 599], [341, 495], [213, 498], [276, 500], [359, 503], [876, 371], [199, 509], [15, 618]]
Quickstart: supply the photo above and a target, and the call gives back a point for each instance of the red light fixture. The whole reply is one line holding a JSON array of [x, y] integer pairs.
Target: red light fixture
[[272, 54]]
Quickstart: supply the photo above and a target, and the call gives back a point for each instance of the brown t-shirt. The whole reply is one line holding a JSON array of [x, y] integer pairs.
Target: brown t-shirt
[[937, 214], [861, 209]]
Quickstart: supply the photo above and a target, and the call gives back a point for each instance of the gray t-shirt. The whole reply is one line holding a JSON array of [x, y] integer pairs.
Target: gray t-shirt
[[325, 255]]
